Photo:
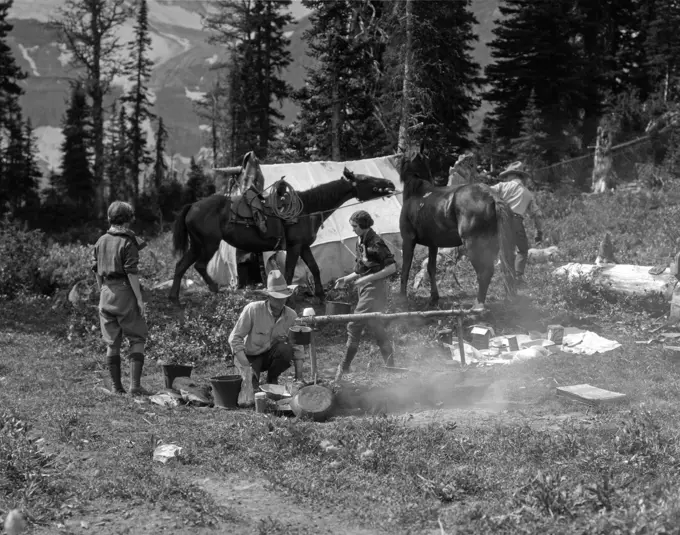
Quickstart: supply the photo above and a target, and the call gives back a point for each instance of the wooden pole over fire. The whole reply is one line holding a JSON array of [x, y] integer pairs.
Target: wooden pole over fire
[[344, 318]]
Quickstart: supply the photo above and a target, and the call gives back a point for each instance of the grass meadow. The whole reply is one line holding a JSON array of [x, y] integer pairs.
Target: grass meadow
[[440, 450]]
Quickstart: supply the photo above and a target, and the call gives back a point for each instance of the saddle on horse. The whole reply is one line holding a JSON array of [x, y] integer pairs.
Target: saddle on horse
[[252, 208]]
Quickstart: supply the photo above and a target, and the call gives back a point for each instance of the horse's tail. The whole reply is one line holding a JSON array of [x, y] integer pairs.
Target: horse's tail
[[506, 241], [180, 234]]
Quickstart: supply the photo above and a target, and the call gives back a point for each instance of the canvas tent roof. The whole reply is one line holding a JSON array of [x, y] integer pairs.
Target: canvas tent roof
[[335, 243]]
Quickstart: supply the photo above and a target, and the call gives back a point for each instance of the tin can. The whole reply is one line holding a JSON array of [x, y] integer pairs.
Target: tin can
[[445, 336], [556, 334], [260, 402], [512, 343]]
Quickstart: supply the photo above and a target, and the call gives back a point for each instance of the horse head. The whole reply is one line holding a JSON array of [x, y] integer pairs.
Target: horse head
[[368, 187], [416, 166], [251, 174]]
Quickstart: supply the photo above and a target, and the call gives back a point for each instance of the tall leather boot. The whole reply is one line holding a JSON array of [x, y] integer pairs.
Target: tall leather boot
[[136, 366], [344, 365], [113, 364]]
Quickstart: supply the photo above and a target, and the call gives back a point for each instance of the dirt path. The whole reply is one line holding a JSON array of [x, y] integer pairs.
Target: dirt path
[[249, 503], [266, 509]]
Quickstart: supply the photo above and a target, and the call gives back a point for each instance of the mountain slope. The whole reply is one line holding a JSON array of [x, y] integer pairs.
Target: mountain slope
[[182, 72]]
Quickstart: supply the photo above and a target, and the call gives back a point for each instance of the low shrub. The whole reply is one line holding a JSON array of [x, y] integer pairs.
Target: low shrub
[[20, 255], [64, 265]]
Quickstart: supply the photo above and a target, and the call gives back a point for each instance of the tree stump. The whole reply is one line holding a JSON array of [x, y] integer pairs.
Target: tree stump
[[603, 175]]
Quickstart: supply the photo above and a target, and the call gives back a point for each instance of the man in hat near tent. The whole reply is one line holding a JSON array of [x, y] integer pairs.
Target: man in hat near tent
[[259, 339], [521, 201]]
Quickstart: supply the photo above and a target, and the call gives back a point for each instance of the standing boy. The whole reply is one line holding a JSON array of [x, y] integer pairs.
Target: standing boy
[[121, 308], [374, 263]]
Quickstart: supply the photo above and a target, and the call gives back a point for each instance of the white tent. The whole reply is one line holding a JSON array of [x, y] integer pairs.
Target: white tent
[[335, 243]]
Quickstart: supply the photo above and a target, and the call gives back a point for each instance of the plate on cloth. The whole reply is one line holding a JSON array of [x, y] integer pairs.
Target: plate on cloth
[[658, 270]]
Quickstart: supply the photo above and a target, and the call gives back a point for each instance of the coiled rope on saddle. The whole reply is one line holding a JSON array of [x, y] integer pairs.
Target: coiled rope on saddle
[[285, 201]]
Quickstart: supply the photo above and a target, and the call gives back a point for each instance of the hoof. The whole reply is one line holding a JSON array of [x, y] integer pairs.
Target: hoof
[[214, 288]]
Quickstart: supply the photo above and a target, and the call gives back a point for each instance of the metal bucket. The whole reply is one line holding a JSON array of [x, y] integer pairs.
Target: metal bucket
[[226, 389], [335, 308]]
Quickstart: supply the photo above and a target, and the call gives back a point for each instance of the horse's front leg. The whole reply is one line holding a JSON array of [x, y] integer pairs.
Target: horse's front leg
[[432, 273], [482, 254], [292, 255], [308, 258], [407, 248]]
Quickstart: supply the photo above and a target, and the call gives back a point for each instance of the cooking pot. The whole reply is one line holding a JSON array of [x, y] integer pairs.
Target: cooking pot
[[300, 335], [313, 402], [334, 308]]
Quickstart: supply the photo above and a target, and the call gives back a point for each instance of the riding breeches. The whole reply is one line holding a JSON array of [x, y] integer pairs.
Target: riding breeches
[[372, 298]]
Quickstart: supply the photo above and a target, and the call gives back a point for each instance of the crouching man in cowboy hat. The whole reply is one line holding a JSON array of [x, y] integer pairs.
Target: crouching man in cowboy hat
[[259, 339], [521, 201]]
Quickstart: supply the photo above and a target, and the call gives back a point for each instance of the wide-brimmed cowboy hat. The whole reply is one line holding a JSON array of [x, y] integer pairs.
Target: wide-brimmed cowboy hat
[[517, 168], [277, 287]]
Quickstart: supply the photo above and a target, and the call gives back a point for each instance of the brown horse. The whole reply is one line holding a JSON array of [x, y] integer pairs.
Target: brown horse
[[201, 226], [448, 217]]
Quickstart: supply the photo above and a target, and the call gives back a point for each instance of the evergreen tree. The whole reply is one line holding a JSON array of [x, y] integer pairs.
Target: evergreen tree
[[90, 31], [254, 33], [213, 107], [31, 177], [15, 162], [534, 49], [487, 140], [528, 147], [197, 185], [121, 187], [10, 91], [111, 145], [77, 182], [445, 76], [170, 198], [160, 168], [663, 48], [139, 67], [339, 117]]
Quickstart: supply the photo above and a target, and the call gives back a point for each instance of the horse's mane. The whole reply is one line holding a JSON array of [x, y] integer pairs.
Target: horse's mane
[[410, 178], [323, 197]]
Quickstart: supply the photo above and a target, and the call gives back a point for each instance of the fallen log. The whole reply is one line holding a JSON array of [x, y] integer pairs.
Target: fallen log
[[344, 318], [624, 278]]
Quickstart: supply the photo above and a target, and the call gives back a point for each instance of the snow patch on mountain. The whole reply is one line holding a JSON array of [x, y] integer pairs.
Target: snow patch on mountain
[[45, 10], [65, 56], [184, 44], [174, 15], [196, 96], [212, 59], [31, 62]]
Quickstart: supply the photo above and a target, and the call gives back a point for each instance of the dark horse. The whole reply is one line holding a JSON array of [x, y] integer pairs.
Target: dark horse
[[202, 225], [448, 217]]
